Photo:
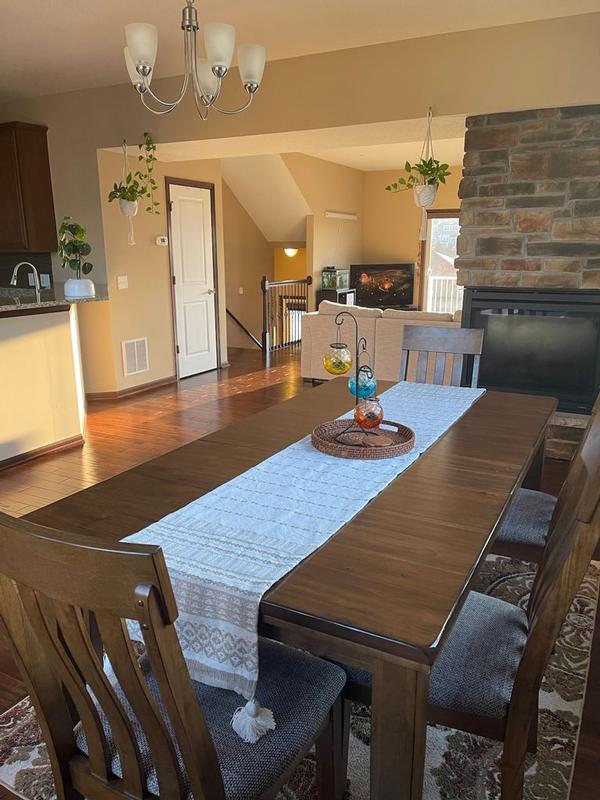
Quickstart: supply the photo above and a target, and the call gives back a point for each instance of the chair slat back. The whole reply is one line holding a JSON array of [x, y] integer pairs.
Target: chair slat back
[[60, 597], [441, 353], [569, 493], [573, 537]]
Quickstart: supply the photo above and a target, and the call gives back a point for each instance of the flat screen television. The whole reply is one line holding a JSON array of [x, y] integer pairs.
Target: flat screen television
[[383, 285]]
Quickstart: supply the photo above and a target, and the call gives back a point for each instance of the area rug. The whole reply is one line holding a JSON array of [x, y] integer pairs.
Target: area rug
[[459, 766]]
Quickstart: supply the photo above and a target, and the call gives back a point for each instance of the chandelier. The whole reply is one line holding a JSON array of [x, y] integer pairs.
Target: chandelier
[[206, 74]]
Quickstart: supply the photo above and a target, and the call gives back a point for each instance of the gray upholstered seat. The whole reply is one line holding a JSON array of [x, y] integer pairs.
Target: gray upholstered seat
[[300, 690], [528, 518], [477, 665]]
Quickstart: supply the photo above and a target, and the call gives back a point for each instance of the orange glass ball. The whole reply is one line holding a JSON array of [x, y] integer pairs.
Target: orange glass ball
[[369, 413]]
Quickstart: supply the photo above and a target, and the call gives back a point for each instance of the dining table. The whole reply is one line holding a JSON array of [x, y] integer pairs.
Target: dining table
[[382, 593]]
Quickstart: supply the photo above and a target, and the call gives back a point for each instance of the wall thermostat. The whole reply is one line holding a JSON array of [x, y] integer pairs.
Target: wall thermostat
[[162, 241]]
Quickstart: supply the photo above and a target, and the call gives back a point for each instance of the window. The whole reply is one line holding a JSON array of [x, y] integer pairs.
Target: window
[[440, 291]]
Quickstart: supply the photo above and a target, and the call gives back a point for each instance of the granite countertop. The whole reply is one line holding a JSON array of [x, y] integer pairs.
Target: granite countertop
[[18, 301]]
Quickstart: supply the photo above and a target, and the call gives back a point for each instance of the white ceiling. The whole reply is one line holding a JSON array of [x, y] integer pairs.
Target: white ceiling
[[49, 46], [390, 156], [264, 186], [373, 146]]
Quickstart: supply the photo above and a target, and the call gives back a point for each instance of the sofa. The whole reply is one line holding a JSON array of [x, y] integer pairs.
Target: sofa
[[382, 330]]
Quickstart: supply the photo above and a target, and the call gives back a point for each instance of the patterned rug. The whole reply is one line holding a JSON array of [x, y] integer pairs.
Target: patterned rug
[[459, 766]]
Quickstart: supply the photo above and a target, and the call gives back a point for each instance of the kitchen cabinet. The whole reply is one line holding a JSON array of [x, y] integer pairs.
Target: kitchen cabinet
[[27, 221]]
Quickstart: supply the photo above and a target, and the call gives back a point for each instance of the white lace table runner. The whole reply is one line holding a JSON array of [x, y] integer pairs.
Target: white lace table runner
[[227, 548]]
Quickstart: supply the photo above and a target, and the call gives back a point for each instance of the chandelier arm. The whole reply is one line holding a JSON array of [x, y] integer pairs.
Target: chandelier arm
[[155, 111], [201, 109], [234, 110], [200, 100], [186, 77]]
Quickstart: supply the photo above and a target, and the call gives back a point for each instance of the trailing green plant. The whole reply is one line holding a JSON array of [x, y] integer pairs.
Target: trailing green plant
[[426, 172], [73, 248], [141, 183], [148, 156]]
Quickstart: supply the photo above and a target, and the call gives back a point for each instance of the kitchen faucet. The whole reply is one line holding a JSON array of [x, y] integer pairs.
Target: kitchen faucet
[[36, 278]]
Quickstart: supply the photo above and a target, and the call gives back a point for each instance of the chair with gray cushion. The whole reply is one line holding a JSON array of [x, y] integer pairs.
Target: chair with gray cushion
[[133, 725], [486, 677], [524, 531]]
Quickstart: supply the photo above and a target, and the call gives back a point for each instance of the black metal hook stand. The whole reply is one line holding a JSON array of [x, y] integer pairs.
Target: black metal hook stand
[[360, 348]]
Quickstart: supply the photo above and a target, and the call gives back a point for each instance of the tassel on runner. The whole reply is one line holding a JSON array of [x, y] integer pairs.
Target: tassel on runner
[[251, 721]]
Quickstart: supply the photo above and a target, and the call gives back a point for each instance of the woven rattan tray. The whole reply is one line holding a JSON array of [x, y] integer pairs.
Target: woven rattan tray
[[359, 444]]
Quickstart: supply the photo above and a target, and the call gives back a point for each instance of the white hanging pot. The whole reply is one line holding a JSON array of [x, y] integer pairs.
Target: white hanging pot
[[129, 208], [79, 289], [425, 195]]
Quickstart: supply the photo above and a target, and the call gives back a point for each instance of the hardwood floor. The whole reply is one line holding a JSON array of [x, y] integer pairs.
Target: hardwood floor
[[121, 434]]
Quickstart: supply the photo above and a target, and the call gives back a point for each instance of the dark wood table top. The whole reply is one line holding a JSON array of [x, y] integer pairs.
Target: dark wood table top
[[392, 578]]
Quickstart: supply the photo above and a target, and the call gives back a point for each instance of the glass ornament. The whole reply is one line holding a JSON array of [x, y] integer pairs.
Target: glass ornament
[[367, 386], [369, 413], [337, 359]]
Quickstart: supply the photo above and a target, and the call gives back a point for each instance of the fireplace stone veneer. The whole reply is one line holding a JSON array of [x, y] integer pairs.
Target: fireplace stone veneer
[[530, 200]]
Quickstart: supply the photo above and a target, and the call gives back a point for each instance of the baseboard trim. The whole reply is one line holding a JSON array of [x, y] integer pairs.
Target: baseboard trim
[[21, 458], [143, 387]]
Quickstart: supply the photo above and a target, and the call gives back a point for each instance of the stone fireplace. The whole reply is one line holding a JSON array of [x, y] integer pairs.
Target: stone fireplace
[[530, 199], [530, 222]]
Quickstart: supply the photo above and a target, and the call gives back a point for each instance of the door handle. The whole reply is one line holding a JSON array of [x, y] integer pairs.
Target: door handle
[[211, 291]]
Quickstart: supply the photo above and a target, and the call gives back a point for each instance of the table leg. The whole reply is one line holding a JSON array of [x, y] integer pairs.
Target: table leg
[[399, 731], [534, 478]]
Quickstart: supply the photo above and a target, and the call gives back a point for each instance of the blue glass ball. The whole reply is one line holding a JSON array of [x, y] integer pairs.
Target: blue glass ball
[[367, 387]]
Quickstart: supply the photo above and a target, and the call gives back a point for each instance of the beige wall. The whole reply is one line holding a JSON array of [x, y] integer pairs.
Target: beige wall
[[39, 404], [286, 268], [391, 222], [144, 308], [329, 187], [248, 256], [472, 72]]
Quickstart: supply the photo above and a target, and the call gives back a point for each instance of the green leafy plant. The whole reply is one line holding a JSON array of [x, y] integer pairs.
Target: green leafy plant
[[130, 190], [148, 156], [73, 248], [141, 183], [426, 172]]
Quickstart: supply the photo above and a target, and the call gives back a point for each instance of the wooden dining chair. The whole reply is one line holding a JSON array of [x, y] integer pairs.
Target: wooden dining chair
[[487, 676], [133, 726], [440, 353], [524, 531]]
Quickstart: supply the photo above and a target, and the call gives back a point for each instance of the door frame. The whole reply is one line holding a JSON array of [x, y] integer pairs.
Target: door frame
[[169, 181], [432, 213]]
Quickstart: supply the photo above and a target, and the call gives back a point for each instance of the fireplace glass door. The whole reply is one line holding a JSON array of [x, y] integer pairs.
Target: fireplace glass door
[[539, 343]]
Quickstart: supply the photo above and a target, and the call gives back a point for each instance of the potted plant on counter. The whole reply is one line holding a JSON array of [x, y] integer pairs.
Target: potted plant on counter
[[423, 178], [73, 250]]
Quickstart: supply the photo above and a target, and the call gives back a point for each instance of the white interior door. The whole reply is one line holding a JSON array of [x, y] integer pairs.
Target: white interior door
[[193, 271]]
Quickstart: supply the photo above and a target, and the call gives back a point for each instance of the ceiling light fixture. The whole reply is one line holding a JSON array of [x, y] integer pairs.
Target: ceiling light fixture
[[205, 74], [290, 251]]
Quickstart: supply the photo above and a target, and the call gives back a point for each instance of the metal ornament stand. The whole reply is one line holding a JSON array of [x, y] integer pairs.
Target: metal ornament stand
[[360, 348]]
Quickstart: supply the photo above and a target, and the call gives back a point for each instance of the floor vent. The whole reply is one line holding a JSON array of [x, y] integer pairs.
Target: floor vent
[[135, 356]]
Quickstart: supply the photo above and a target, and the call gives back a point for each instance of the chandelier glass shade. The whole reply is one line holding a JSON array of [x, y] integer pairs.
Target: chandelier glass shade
[[205, 73]]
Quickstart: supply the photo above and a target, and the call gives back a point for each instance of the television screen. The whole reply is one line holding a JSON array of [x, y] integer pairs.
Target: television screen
[[383, 285]]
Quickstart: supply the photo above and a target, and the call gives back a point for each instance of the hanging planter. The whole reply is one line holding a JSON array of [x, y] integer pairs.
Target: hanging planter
[[425, 195], [129, 208], [134, 186], [425, 176]]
